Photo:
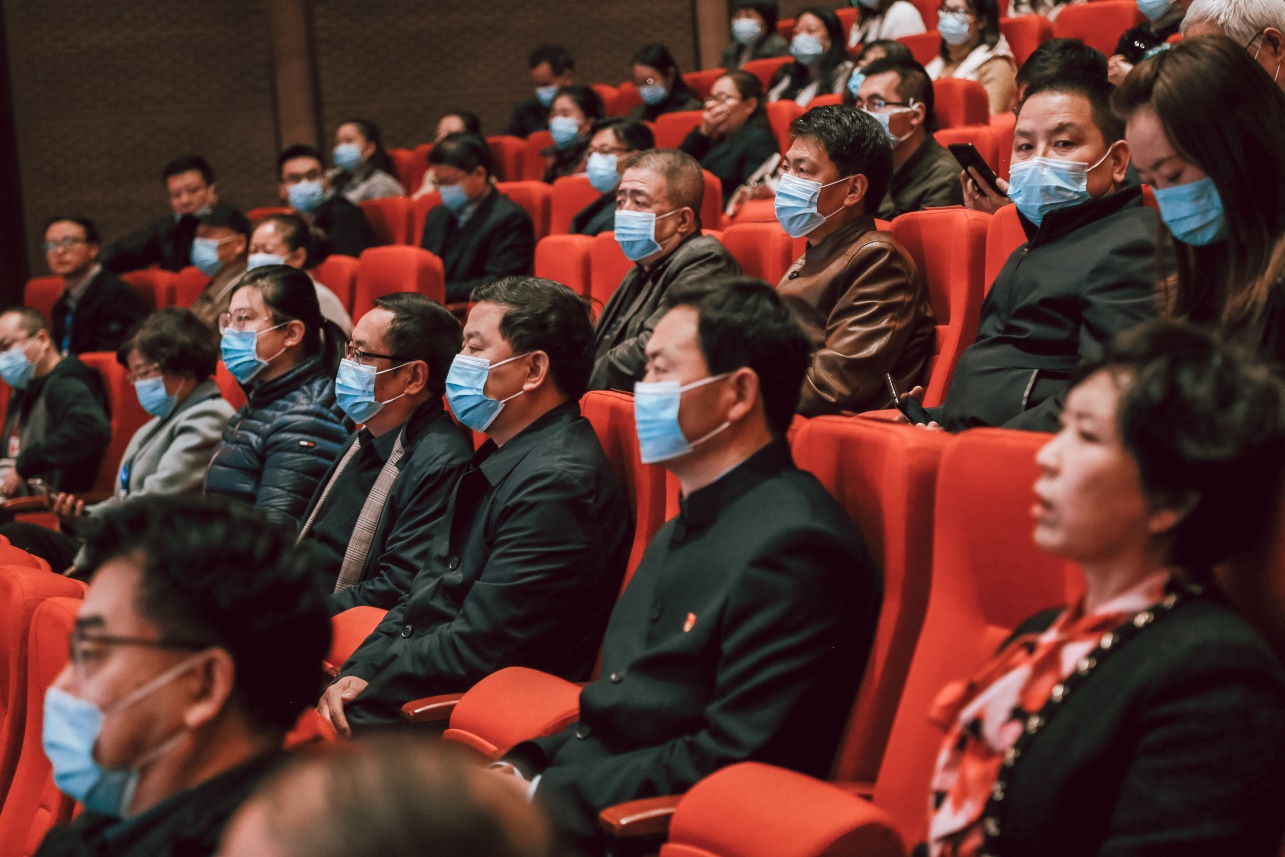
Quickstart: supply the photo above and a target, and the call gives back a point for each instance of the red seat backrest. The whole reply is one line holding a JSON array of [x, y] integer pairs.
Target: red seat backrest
[[532, 161], [41, 293], [625, 99], [884, 475], [411, 165], [384, 270], [339, 274], [608, 95], [565, 259], [389, 218], [981, 136], [419, 213], [254, 215], [764, 69], [1002, 126], [762, 249], [987, 577], [607, 267], [1100, 25], [507, 153], [535, 197], [1025, 33], [823, 100], [779, 116], [126, 414], [712, 202], [924, 46], [570, 196], [753, 211], [960, 102], [150, 284], [349, 630], [1003, 236], [673, 128], [702, 81], [949, 249], [186, 285]]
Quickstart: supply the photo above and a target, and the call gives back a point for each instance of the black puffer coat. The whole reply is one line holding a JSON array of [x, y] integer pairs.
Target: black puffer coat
[[281, 443]]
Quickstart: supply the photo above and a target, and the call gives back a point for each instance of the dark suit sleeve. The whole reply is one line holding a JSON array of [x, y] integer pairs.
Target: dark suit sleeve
[[509, 249], [119, 308], [347, 231], [132, 252], [78, 429], [696, 144]]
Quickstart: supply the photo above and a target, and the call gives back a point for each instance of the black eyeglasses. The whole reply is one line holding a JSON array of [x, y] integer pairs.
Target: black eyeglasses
[[352, 352], [78, 639]]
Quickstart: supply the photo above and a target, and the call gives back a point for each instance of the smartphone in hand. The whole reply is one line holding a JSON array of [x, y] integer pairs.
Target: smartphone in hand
[[910, 407], [970, 158]]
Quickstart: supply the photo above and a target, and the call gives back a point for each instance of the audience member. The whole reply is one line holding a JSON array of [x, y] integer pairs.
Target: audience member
[[746, 627], [1046, 8], [341, 225], [1163, 19], [1217, 185], [171, 360], [878, 20], [450, 123], [55, 424], [167, 243], [389, 795], [377, 508], [821, 64], [525, 565], [363, 169], [195, 650], [286, 239], [1145, 717], [479, 233], [733, 139], [95, 308], [855, 290], [899, 95], [283, 353], [754, 35], [552, 68], [611, 143], [880, 49], [220, 252], [660, 84], [571, 119], [659, 229], [973, 48], [1087, 270], [1258, 25]]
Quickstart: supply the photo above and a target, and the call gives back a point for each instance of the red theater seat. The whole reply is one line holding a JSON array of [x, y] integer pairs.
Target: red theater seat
[[1025, 33], [186, 285], [41, 293], [1003, 236], [673, 128], [389, 218], [533, 163], [764, 69], [507, 153], [607, 267], [384, 270], [571, 194], [762, 249], [565, 259], [127, 417], [419, 213], [534, 196], [702, 81], [607, 93], [411, 165], [981, 136], [254, 215], [152, 285], [229, 387], [349, 630], [625, 99], [1002, 125], [924, 46], [1100, 25], [779, 116], [960, 102], [339, 274]]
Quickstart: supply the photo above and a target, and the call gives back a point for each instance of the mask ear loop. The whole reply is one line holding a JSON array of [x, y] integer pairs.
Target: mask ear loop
[[269, 330]]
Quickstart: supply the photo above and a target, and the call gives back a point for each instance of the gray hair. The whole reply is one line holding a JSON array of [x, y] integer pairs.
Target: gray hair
[[1240, 20]]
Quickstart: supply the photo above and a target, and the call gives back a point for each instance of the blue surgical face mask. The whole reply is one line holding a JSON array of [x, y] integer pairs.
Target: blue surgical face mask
[[259, 260], [69, 734], [355, 390], [240, 352], [746, 31], [796, 204], [546, 94], [656, 406], [954, 30], [16, 369], [564, 131], [806, 49], [854, 83], [347, 156], [636, 233], [466, 391], [454, 197], [205, 255], [601, 171], [1193, 212], [1041, 185], [1154, 10], [153, 396], [872, 5], [653, 93], [885, 119], [306, 196]]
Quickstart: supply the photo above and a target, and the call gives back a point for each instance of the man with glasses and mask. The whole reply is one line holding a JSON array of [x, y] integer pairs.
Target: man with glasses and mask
[[658, 227], [304, 186], [526, 562], [197, 645], [855, 290], [376, 510], [1259, 25], [55, 426], [96, 308]]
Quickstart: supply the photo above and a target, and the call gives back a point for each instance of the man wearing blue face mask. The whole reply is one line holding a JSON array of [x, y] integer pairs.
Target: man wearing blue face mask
[[480, 234], [1087, 271], [658, 227], [219, 251], [743, 634], [613, 140], [376, 510], [552, 68], [168, 712], [526, 562], [304, 187]]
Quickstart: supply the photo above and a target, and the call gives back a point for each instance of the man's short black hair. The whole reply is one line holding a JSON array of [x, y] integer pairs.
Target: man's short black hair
[[174, 339], [1096, 92], [912, 82], [635, 136], [744, 322], [218, 574], [298, 150], [558, 58], [1062, 58], [90, 227], [855, 142], [30, 321], [463, 151], [187, 163], [226, 217], [471, 123], [768, 10], [541, 315], [422, 329]]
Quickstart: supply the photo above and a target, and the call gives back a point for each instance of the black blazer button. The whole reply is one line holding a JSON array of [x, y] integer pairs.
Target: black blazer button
[[406, 630], [616, 678], [453, 563], [582, 731], [655, 612]]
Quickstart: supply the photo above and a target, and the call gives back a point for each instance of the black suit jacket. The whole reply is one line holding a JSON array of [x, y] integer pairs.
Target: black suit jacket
[[742, 636], [522, 571], [344, 227], [167, 243], [498, 240], [597, 217], [107, 309]]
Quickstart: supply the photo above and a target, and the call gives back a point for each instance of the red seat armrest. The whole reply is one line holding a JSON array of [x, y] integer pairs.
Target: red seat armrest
[[430, 709], [639, 819]]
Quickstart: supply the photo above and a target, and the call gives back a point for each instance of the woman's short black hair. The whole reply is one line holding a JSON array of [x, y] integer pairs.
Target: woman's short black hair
[[90, 228], [658, 56], [174, 339], [380, 159], [768, 10], [633, 135], [469, 119], [990, 34], [1202, 424], [290, 294], [296, 233], [586, 98]]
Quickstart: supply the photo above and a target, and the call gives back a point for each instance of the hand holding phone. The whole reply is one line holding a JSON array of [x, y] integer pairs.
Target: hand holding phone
[[909, 406], [971, 159]]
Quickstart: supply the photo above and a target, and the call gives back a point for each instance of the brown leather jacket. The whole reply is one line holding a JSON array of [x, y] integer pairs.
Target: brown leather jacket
[[865, 309]]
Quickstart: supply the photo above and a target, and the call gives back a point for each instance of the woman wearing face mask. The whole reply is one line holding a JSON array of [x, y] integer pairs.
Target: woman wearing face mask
[[170, 358], [754, 35], [363, 169], [820, 64], [574, 110], [611, 143], [284, 354], [1164, 18], [972, 48], [1217, 184], [884, 19], [1144, 718], [286, 239], [872, 53], [660, 84], [733, 139]]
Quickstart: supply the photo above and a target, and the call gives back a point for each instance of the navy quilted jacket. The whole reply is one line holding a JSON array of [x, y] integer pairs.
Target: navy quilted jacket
[[281, 443]]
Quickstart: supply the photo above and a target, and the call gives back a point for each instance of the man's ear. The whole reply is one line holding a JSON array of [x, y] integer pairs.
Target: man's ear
[[212, 684], [538, 371], [744, 384], [857, 187], [418, 371], [1119, 157], [214, 192]]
